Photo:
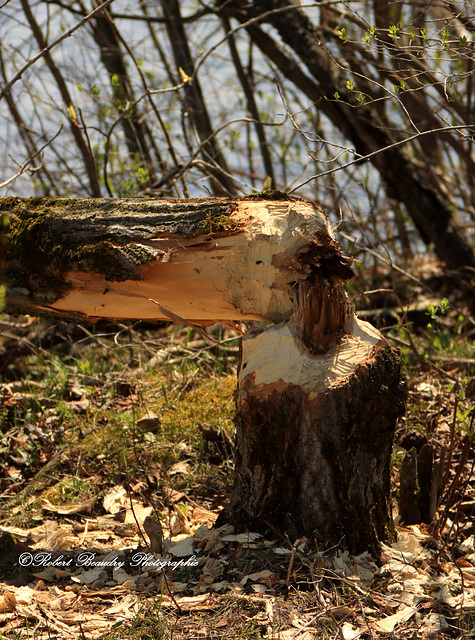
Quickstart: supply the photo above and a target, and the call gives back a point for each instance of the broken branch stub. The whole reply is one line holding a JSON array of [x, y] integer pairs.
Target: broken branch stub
[[319, 391]]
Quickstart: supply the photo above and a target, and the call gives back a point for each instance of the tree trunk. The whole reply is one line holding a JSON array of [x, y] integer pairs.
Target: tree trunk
[[319, 391], [134, 125], [221, 181]]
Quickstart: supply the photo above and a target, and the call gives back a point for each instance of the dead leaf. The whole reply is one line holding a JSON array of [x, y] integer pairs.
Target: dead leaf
[[120, 576], [290, 634], [426, 389], [20, 534], [88, 577], [64, 601], [154, 531], [94, 624], [210, 539], [179, 522], [13, 473], [340, 612], [461, 562], [266, 577], [468, 545], [182, 548], [434, 625], [204, 584], [79, 406], [130, 584], [213, 567], [137, 512], [179, 467], [149, 422], [122, 607], [241, 538], [7, 602], [67, 509], [115, 499], [350, 632], [469, 575], [49, 574], [199, 514], [387, 625], [170, 496], [203, 601]]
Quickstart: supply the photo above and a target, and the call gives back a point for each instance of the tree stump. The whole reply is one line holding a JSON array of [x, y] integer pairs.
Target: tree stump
[[314, 441], [319, 391]]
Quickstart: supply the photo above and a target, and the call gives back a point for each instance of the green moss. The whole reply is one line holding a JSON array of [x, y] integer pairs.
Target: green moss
[[8, 203], [30, 241], [203, 403], [216, 223], [271, 194], [210, 401], [39, 246], [390, 533], [4, 229], [115, 263]]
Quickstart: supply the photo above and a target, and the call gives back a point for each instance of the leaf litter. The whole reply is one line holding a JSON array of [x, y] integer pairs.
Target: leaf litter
[[243, 583], [67, 597]]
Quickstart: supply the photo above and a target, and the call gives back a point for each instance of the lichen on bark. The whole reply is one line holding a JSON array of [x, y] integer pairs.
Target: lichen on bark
[[51, 236]]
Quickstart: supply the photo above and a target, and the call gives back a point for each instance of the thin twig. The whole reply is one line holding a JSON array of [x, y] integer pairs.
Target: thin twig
[[51, 46]]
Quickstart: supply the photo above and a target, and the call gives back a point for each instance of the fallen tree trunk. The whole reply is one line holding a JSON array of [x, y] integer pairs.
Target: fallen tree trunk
[[319, 391], [204, 261]]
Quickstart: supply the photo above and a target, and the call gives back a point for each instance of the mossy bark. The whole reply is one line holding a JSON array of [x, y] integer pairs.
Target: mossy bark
[[65, 232], [44, 239]]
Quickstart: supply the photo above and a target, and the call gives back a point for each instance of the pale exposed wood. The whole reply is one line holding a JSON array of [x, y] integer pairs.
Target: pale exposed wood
[[276, 355]]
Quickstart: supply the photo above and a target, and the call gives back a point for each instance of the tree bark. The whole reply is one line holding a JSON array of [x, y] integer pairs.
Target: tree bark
[[319, 391]]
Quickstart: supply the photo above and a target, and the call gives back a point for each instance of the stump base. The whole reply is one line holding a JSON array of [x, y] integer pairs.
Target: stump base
[[318, 464]]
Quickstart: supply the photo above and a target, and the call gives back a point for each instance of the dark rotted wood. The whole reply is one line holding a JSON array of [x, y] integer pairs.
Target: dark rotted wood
[[416, 486]]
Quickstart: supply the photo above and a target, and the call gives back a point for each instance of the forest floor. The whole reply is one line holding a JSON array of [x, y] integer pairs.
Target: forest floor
[[104, 428]]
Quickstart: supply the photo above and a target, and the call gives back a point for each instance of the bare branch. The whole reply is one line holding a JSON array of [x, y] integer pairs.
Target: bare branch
[[49, 47]]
